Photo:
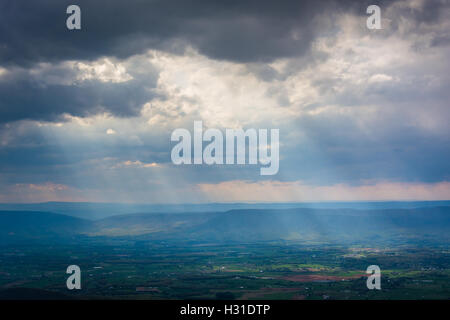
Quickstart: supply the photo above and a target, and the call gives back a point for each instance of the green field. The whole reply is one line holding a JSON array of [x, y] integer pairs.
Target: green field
[[128, 269]]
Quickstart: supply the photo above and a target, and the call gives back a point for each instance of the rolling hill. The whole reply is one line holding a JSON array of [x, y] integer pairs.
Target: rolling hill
[[332, 225]]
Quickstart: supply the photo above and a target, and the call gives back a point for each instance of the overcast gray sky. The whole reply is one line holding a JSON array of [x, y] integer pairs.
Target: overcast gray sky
[[87, 115]]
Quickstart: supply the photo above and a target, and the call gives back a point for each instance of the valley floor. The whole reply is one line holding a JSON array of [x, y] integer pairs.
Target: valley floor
[[128, 269]]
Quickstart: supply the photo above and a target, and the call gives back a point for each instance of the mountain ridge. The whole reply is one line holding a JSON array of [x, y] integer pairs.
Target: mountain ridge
[[235, 225]]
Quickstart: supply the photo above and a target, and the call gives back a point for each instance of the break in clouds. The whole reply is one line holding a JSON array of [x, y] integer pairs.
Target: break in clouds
[[87, 115]]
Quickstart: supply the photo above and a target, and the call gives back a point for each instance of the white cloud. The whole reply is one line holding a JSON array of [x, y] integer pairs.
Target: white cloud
[[104, 70], [138, 164], [380, 78]]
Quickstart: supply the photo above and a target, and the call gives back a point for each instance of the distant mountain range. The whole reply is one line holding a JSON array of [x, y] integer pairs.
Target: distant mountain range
[[95, 211], [301, 224], [29, 225]]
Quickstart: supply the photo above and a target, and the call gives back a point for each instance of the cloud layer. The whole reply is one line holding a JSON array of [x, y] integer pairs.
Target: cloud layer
[[363, 114]]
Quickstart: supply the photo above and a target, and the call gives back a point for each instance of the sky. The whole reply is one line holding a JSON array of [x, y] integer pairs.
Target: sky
[[87, 115]]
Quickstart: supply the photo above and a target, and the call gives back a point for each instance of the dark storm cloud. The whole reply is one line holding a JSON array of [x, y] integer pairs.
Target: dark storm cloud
[[257, 30], [33, 32], [26, 95], [431, 12], [417, 20]]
